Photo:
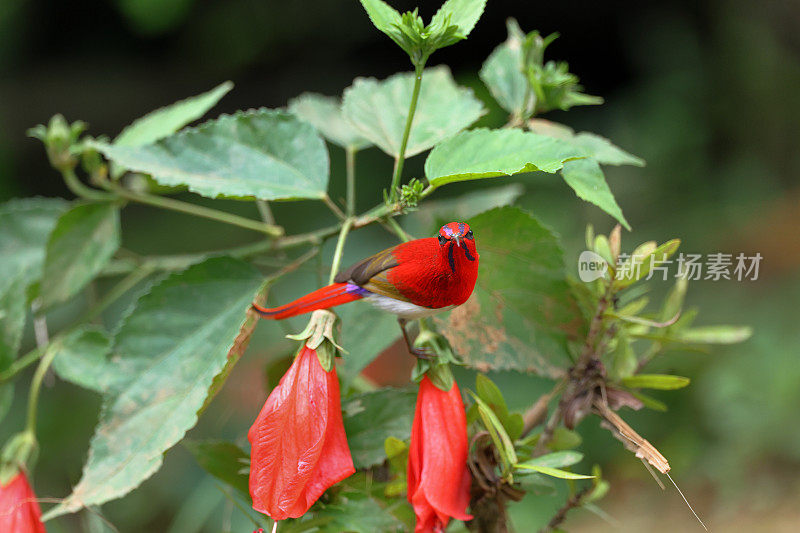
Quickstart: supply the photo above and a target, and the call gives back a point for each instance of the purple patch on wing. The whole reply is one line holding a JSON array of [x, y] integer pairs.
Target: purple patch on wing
[[353, 288]]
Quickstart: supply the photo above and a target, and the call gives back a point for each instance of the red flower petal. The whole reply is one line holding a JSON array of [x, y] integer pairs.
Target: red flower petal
[[438, 477], [19, 510], [299, 448]]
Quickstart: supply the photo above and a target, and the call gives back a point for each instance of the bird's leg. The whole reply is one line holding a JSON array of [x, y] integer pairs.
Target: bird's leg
[[420, 353]]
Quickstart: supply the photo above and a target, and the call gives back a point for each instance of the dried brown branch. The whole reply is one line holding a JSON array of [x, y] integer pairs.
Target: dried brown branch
[[630, 438], [576, 500], [537, 412]]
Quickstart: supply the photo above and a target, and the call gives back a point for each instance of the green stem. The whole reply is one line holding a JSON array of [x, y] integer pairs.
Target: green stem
[[397, 230], [350, 163], [123, 286], [265, 212], [398, 162], [79, 189], [197, 210], [36, 384], [333, 207], [20, 364], [427, 192], [180, 261], [337, 254]]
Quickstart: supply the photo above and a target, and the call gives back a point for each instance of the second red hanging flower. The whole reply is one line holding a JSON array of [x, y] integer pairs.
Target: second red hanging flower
[[438, 476]]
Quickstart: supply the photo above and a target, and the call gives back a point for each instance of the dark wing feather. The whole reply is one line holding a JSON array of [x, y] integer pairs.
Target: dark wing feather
[[372, 274], [368, 268]]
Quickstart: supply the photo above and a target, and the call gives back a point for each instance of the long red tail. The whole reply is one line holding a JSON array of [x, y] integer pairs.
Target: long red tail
[[330, 296]]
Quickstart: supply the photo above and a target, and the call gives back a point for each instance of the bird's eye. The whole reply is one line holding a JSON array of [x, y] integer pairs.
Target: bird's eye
[[468, 235], [442, 240]]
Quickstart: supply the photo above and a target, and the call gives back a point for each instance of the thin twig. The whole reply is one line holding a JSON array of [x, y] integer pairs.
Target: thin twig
[[548, 431], [594, 330], [576, 500], [350, 164], [334, 208], [536, 413], [265, 211], [39, 325], [181, 261], [196, 210]]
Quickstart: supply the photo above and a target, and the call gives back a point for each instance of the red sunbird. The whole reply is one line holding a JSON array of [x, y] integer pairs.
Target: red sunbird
[[412, 280]]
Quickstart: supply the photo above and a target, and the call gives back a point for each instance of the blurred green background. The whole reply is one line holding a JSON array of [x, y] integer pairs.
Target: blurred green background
[[707, 92]]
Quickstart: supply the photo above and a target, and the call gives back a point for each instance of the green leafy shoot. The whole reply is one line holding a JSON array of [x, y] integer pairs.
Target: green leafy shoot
[[553, 85], [451, 23], [497, 432], [524, 84], [491, 395]]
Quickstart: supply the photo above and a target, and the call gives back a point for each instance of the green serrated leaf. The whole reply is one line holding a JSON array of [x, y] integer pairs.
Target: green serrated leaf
[[371, 417], [83, 360], [585, 175], [83, 241], [168, 349], [13, 303], [483, 153], [268, 154], [25, 226], [553, 472], [604, 151], [715, 334], [385, 18], [522, 313], [353, 511], [655, 381], [452, 23], [589, 183], [223, 460], [169, 119], [379, 109], [463, 14], [325, 114], [13, 313]]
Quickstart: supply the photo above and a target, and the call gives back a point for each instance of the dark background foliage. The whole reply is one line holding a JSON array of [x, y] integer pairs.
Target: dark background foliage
[[707, 92]]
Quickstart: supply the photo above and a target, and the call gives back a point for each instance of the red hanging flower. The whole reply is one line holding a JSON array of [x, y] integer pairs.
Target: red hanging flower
[[299, 447], [19, 510], [438, 477]]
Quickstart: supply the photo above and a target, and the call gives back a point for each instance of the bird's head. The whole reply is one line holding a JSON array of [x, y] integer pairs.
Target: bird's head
[[458, 246], [455, 232]]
